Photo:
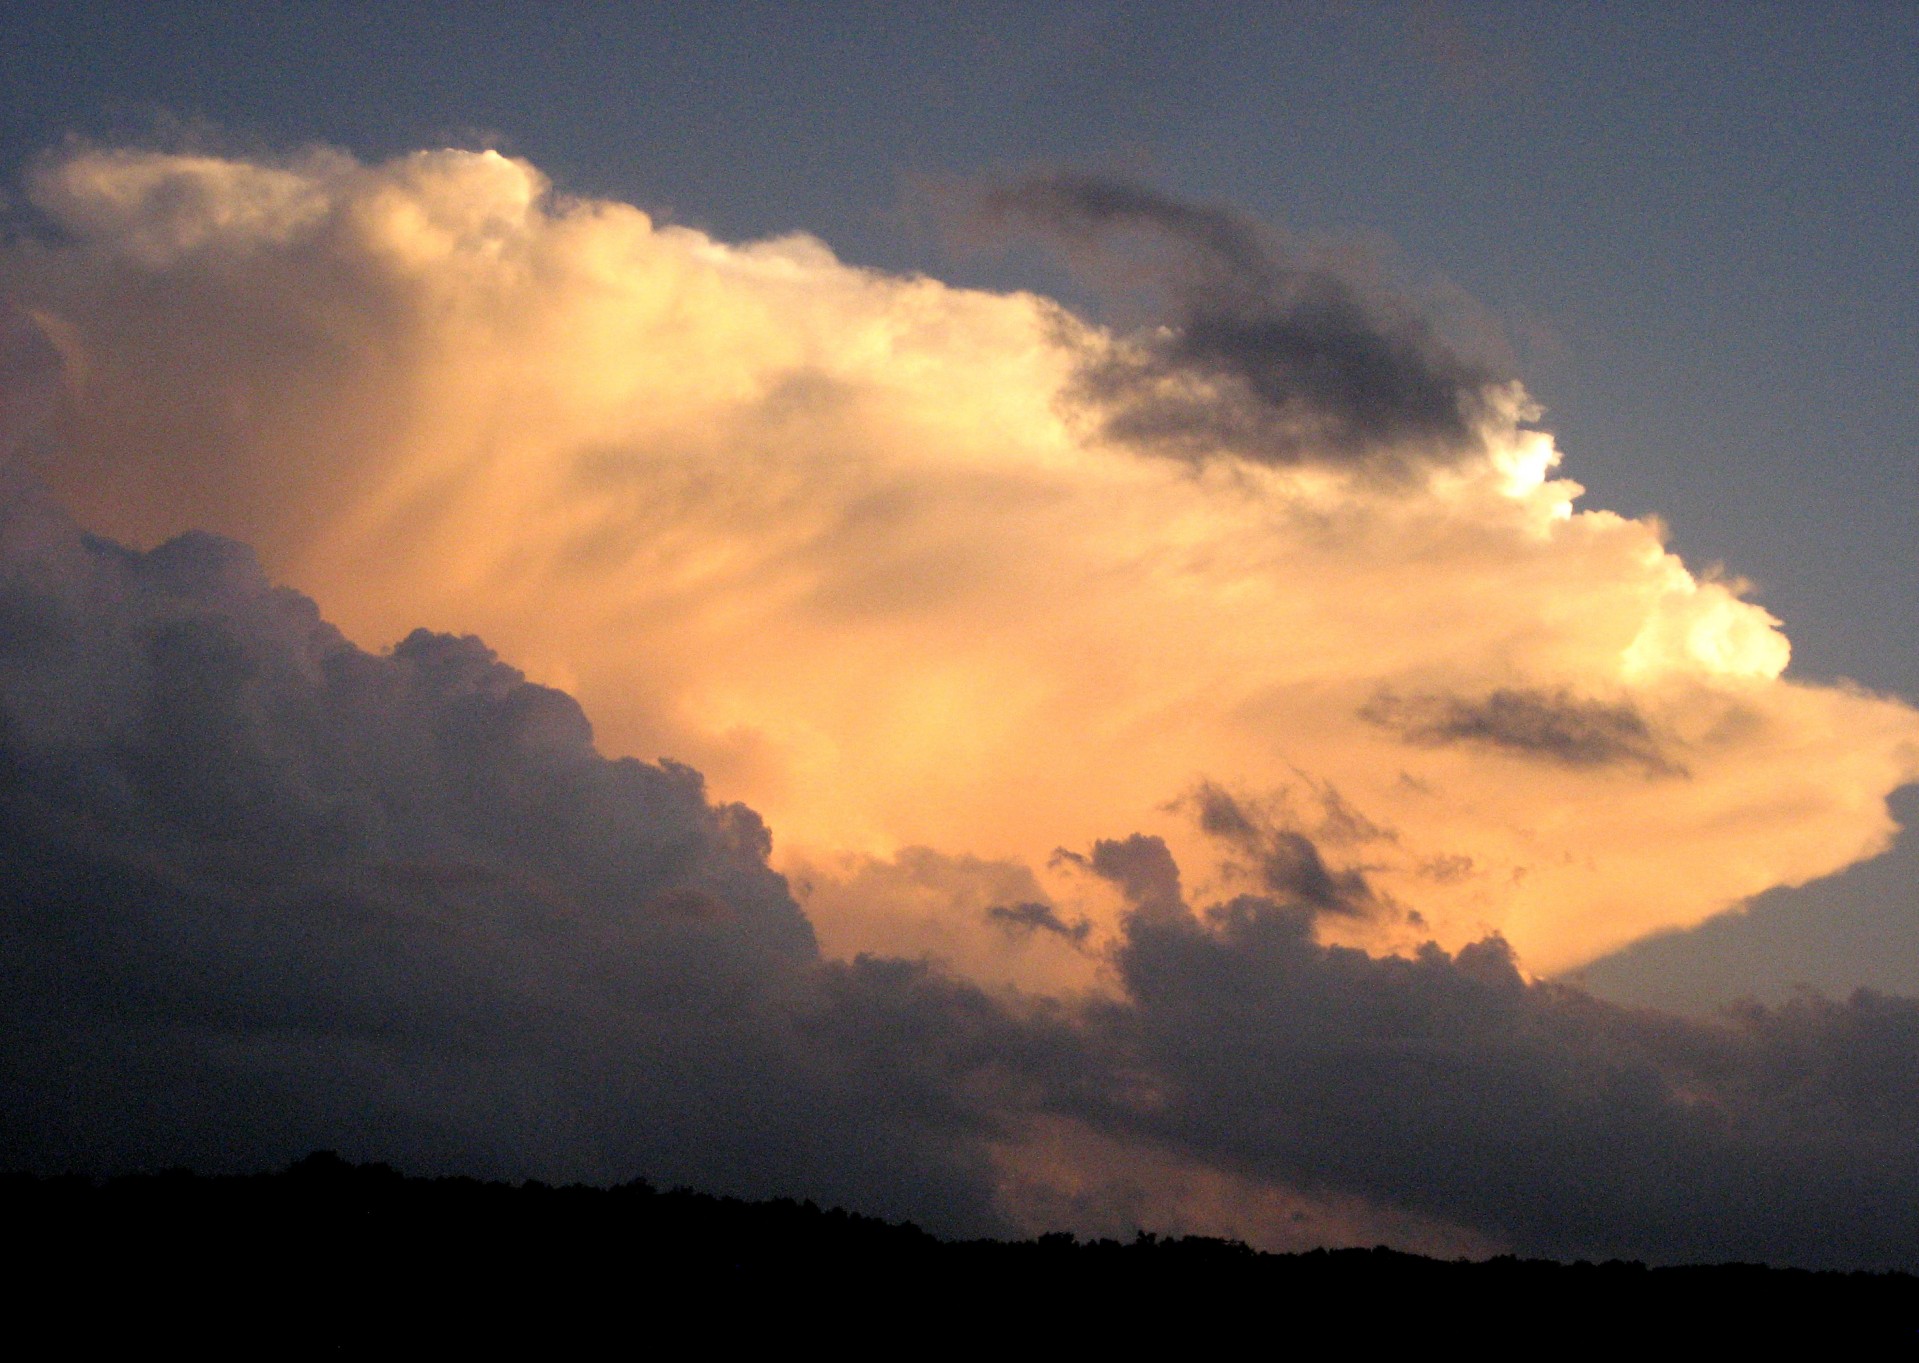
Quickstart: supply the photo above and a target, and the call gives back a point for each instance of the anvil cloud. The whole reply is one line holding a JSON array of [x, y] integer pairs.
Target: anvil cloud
[[1186, 749], [900, 564]]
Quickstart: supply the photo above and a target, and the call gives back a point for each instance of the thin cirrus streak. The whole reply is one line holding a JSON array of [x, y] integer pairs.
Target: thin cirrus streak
[[941, 580]]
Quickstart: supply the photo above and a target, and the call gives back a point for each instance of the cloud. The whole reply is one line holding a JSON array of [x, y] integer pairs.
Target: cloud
[[1142, 868], [1259, 357], [848, 544], [1447, 1087], [1547, 726], [921, 903], [268, 892], [1032, 917], [1286, 862]]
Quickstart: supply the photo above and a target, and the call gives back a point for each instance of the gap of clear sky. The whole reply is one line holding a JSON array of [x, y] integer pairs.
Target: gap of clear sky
[[1694, 226]]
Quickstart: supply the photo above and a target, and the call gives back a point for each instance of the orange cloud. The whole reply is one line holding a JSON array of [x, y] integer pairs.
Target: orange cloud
[[846, 542]]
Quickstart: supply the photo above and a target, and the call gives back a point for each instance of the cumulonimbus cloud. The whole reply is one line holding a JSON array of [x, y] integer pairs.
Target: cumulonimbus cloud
[[265, 891], [907, 566]]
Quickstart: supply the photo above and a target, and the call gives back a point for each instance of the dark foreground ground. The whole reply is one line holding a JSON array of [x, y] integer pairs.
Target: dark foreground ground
[[329, 1258]]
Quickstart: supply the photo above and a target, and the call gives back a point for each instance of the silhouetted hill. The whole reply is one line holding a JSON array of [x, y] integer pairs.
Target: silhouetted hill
[[329, 1257]]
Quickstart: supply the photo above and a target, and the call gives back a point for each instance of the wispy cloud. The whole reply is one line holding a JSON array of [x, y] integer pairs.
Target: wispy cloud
[[1543, 726], [1258, 356]]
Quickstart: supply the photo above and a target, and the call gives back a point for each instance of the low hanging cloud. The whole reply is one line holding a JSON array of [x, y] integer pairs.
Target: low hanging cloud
[[1259, 357], [1447, 1087], [1548, 727], [266, 891], [879, 557], [1030, 917], [1285, 861]]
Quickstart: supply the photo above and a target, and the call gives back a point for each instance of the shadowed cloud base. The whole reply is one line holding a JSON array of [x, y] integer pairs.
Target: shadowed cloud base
[[267, 891]]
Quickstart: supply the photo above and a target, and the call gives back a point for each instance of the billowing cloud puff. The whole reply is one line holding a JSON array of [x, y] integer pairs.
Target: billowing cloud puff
[[902, 565], [1449, 1088], [265, 892]]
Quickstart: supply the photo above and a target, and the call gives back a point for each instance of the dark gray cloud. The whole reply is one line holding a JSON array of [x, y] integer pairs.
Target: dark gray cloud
[[1031, 917], [1285, 862], [264, 891], [1258, 356], [1140, 866], [1533, 1113], [1551, 726]]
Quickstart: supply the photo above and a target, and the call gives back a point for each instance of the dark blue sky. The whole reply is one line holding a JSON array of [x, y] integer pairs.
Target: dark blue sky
[[1695, 226]]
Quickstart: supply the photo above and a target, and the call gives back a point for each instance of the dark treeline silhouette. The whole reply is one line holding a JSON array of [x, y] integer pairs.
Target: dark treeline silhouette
[[331, 1257]]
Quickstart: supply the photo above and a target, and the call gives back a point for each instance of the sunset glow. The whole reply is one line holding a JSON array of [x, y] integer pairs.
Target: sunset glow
[[1289, 623], [853, 545]]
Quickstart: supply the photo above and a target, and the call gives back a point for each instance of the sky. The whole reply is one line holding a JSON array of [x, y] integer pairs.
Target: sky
[[1080, 582]]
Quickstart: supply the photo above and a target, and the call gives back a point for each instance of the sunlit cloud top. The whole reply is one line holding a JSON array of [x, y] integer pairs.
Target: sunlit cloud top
[[903, 565]]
